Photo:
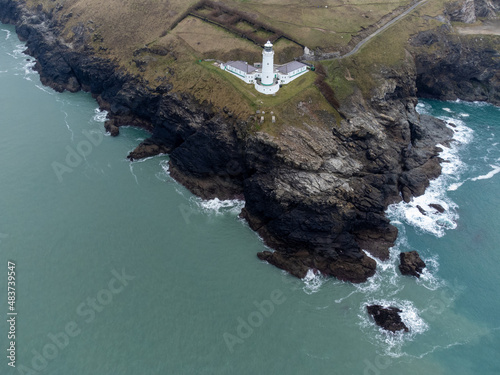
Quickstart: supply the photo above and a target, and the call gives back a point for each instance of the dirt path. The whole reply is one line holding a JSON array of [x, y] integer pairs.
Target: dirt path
[[487, 28], [382, 29]]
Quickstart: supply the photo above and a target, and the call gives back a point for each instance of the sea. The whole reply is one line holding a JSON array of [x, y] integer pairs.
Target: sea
[[111, 267]]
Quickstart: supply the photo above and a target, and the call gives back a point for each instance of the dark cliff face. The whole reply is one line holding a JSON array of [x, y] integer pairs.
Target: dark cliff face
[[319, 196], [457, 66], [316, 195]]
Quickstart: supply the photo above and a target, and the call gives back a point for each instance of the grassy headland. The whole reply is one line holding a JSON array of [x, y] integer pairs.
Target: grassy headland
[[164, 41]]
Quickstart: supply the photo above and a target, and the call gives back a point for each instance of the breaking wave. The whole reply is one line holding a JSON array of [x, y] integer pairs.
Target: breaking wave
[[435, 212], [100, 116], [220, 207], [313, 281]]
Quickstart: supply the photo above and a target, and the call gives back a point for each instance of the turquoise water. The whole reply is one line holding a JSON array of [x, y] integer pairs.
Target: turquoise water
[[120, 270]]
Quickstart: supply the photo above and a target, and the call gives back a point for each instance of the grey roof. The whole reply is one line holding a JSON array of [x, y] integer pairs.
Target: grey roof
[[242, 65], [290, 67]]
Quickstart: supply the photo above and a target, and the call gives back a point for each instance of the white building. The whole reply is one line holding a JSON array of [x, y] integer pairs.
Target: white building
[[241, 69], [290, 71], [268, 78]]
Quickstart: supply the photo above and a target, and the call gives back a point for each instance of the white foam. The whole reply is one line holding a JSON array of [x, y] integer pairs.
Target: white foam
[[8, 34], [385, 282], [165, 166], [496, 169], [220, 207], [44, 89], [392, 343], [27, 67], [100, 116], [463, 114], [433, 221], [131, 167], [146, 158], [455, 185], [428, 278], [342, 299], [313, 281], [66, 120], [423, 108], [447, 110]]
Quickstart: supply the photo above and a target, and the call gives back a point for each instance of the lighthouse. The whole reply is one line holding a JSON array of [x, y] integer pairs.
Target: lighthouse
[[267, 78]]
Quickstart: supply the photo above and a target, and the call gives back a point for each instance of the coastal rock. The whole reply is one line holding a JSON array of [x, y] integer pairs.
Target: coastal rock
[[411, 264], [111, 128], [437, 207], [453, 66], [387, 317], [148, 148], [289, 263], [355, 270], [422, 211]]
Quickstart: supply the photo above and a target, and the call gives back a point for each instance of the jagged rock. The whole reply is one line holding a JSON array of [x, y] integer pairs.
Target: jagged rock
[[291, 264], [411, 263], [148, 148], [462, 11], [422, 211], [342, 267], [111, 128], [387, 317]]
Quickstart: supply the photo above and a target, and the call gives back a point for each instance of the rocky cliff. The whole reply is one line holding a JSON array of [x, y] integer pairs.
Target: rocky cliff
[[451, 66], [317, 195]]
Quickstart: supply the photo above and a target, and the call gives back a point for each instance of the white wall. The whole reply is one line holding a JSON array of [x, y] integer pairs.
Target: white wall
[[287, 78]]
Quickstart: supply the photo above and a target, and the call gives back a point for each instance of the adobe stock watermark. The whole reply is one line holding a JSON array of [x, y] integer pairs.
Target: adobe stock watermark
[[437, 305], [87, 310], [246, 327], [75, 156]]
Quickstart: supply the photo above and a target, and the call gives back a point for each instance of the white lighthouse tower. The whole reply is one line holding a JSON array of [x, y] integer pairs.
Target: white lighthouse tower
[[268, 84], [267, 78]]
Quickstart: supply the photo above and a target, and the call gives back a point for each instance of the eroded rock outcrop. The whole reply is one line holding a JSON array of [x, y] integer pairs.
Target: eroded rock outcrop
[[387, 317], [411, 264], [452, 66]]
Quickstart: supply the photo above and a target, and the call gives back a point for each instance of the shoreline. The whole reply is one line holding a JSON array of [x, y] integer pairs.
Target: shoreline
[[213, 156]]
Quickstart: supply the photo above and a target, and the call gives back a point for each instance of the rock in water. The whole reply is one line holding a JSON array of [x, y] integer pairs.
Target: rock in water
[[422, 211], [411, 263], [387, 317], [437, 207]]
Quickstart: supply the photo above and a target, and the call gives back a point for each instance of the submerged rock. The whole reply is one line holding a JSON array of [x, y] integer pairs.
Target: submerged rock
[[387, 317], [411, 264]]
